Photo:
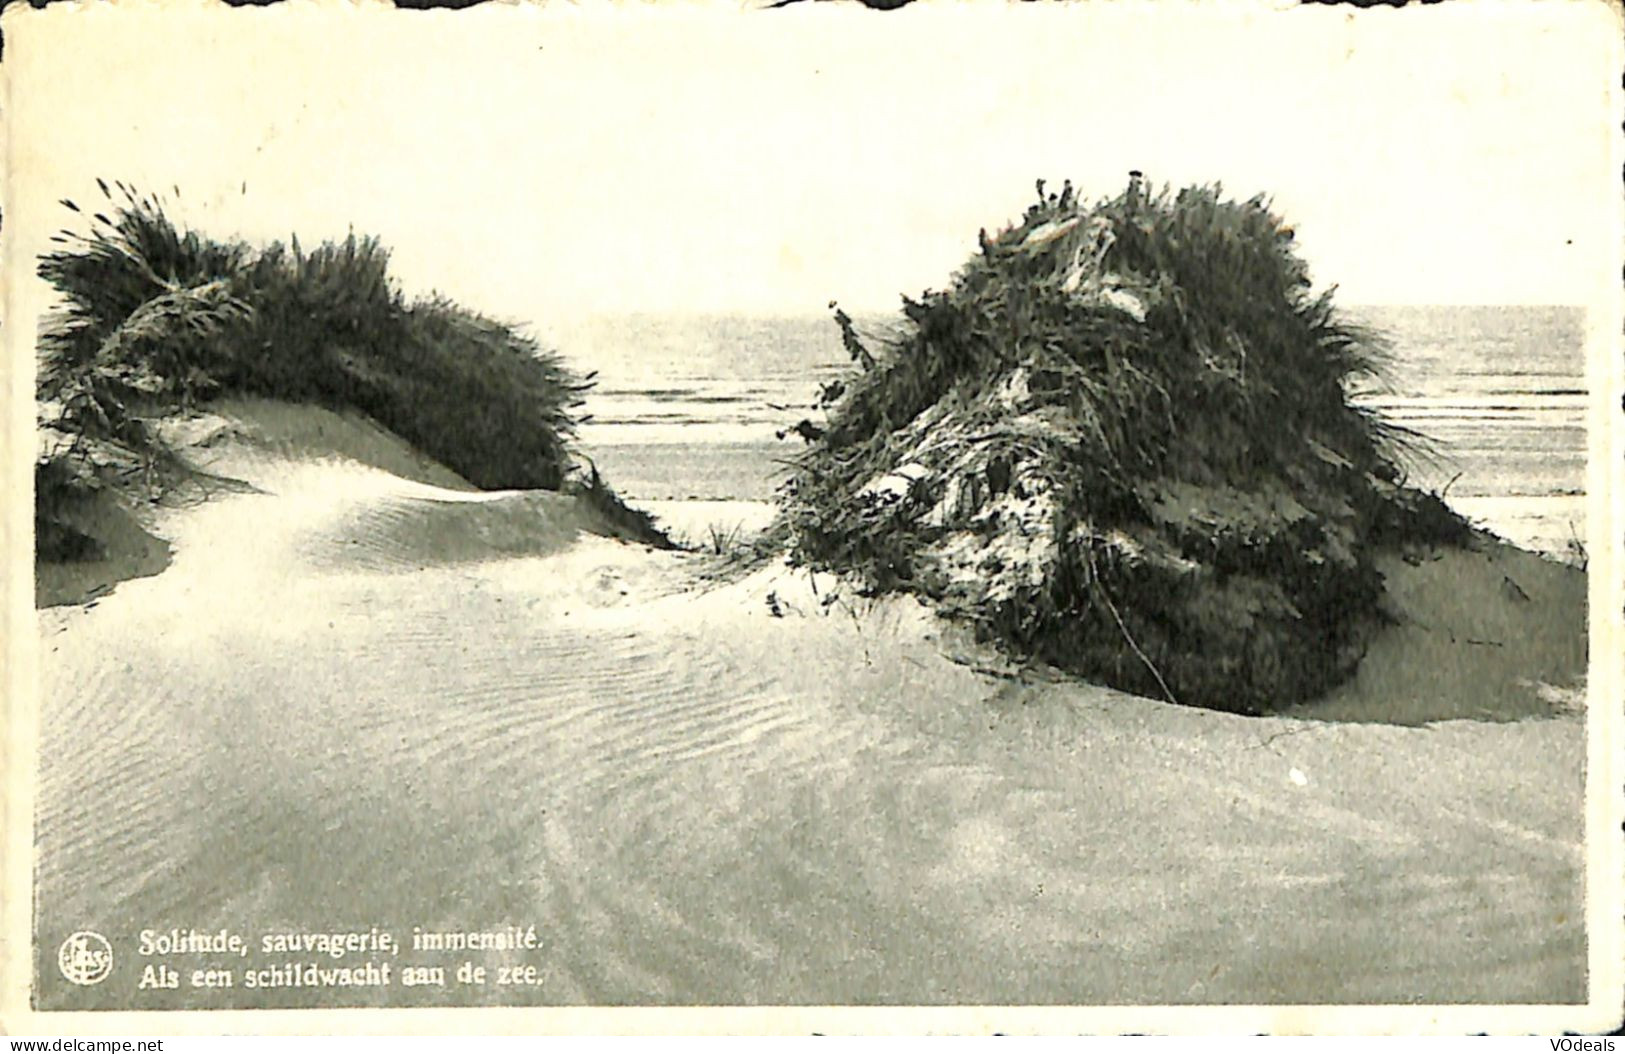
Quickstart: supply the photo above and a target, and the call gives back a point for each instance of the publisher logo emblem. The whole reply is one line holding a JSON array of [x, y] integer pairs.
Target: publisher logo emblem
[[85, 958]]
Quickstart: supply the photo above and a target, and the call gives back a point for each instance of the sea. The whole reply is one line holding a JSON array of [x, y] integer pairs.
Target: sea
[[689, 407]]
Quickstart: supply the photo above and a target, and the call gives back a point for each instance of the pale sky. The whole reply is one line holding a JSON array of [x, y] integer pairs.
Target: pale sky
[[545, 164]]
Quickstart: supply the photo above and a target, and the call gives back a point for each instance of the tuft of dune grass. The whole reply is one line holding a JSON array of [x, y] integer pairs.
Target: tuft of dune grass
[[154, 317], [1121, 440]]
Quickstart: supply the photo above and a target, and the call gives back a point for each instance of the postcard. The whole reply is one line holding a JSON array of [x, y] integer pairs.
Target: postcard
[[1086, 517]]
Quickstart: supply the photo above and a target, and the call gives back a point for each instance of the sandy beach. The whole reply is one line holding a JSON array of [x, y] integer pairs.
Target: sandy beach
[[361, 694]]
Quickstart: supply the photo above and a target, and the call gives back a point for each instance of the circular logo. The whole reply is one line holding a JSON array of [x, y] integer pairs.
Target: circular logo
[[85, 958]]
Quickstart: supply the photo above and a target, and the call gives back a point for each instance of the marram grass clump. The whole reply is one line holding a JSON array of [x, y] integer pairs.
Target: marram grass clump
[[1121, 442], [155, 318]]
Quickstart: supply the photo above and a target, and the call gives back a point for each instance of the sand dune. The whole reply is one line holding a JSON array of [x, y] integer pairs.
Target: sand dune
[[363, 695]]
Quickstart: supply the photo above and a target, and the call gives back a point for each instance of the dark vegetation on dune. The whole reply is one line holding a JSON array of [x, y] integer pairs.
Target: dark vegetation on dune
[[1121, 441], [155, 319]]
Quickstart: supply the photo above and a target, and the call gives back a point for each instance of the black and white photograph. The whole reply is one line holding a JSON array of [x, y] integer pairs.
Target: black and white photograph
[[1081, 517]]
